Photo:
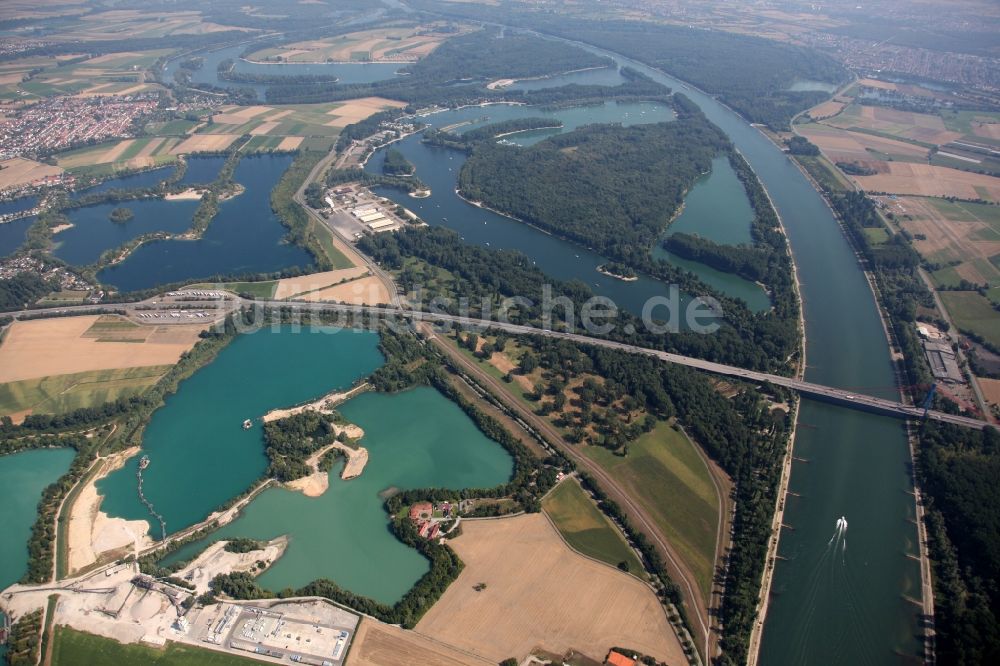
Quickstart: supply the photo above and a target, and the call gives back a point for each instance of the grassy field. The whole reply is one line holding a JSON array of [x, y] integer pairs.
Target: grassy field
[[324, 236], [586, 529], [73, 648], [823, 173], [258, 289], [60, 394], [972, 312], [665, 474], [877, 235]]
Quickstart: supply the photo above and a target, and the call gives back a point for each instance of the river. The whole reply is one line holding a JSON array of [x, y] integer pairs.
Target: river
[[846, 607], [824, 605]]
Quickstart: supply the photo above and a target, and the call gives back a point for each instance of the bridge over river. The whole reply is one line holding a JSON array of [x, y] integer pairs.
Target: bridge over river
[[839, 396]]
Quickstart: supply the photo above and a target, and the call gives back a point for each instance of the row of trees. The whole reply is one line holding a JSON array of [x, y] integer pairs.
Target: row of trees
[[957, 470]]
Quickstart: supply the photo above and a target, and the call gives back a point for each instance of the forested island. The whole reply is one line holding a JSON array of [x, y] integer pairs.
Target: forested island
[[582, 185], [396, 164], [121, 215]]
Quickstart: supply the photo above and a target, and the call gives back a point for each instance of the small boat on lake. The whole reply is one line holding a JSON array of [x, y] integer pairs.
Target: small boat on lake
[[247, 424]]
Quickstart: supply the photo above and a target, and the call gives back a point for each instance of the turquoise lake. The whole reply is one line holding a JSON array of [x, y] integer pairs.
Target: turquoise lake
[[415, 439], [200, 455]]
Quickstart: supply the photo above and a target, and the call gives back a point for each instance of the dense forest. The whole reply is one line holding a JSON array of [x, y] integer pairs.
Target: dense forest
[[749, 73], [22, 290], [957, 470], [290, 441], [606, 187]]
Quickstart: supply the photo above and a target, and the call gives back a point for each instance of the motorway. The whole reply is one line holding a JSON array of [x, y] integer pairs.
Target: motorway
[[828, 393]]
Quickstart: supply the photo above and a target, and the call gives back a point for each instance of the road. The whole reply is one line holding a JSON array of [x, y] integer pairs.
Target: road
[[839, 396], [357, 258]]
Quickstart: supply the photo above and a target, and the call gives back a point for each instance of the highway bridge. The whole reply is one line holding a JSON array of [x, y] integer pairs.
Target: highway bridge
[[839, 396]]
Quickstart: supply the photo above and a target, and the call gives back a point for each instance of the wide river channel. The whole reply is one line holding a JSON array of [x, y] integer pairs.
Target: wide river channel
[[846, 607]]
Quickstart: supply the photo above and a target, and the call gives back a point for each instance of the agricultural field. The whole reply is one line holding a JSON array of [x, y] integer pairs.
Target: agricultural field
[[586, 529], [71, 648], [931, 181], [841, 145], [50, 348], [61, 394], [294, 120], [917, 127], [666, 475], [385, 44], [377, 644], [941, 153], [123, 155], [110, 74], [563, 600], [973, 312], [18, 171], [139, 24], [963, 236]]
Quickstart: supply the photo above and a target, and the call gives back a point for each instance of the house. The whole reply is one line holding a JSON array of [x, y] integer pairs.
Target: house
[[616, 658], [421, 511]]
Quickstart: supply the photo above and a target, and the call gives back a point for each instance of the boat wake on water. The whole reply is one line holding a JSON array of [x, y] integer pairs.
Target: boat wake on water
[[832, 590]]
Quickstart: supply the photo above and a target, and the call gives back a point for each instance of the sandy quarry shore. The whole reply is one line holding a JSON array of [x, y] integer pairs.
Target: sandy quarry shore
[[189, 194], [91, 532], [323, 405], [216, 560], [316, 483]]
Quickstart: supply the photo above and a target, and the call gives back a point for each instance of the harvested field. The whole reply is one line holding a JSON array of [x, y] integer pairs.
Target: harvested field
[[290, 143], [377, 644], [18, 171], [563, 600], [931, 181], [47, 347], [826, 110], [357, 110], [237, 115], [263, 128], [288, 287], [840, 145], [204, 142], [390, 44], [363, 291]]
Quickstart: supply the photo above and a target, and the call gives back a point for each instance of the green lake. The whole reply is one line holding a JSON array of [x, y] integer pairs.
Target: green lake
[[23, 477], [415, 439], [200, 456]]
